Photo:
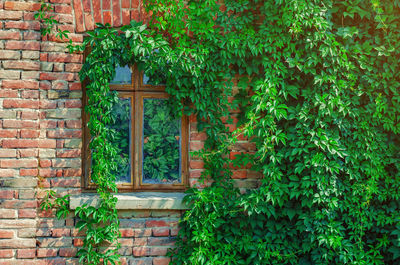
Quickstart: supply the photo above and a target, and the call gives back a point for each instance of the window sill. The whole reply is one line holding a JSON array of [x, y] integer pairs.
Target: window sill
[[136, 201]]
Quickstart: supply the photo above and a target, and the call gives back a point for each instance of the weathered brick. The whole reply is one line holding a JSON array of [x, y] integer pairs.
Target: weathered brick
[[20, 103], [8, 93], [10, 55], [6, 253], [20, 243], [145, 232], [158, 251], [59, 84], [139, 241], [73, 67], [22, 64], [132, 224], [8, 152], [26, 194], [16, 163], [19, 182], [65, 58], [55, 242], [160, 231], [74, 163], [20, 84], [59, 67], [73, 124], [18, 204], [30, 94], [25, 25], [20, 143], [125, 17], [60, 232], [9, 35], [25, 223], [30, 55], [6, 233], [196, 146], [11, 15], [26, 253], [47, 153], [78, 16], [30, 75], [19, 124], [160, 241], [161, 261], [72, 183], [67, 252], [29, 115], [156, 223], [140, 251], [75, 86], [46, 66], [53, 47], [23, 6], [23, 45], [31, 35], [27, 213], [10, 74], [63, 114], [8, 114], [8, 214], [27, 232], [47, 252], [28, 172], [64, 134], [69, 153], [6, 194], [140, 261], [29, 134], [72, 172], [47, 104]]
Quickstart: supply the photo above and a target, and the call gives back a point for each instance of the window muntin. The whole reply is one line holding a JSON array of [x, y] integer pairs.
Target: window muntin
[[135, 172]]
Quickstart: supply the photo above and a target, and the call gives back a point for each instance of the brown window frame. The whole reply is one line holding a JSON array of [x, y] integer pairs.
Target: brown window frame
[[136, 91]]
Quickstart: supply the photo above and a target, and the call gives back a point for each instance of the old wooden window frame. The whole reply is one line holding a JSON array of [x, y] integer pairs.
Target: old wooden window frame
[[136, 91]]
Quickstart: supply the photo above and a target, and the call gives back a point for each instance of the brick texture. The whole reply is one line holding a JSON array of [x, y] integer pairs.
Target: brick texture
[[40, 138]]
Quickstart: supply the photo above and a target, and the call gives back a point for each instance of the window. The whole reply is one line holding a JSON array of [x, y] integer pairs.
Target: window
[[152, 141]]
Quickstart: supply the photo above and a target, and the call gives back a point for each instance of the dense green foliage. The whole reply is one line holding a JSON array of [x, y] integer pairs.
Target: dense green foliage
[[319, 91], [323, 110]]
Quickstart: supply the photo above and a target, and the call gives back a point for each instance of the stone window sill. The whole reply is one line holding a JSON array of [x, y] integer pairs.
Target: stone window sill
[[136, 201]]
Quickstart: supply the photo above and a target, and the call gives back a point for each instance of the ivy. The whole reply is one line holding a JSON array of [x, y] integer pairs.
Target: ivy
[[317, 83]]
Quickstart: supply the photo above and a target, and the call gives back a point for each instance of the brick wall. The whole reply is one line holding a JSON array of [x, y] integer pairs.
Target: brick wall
[[40, 138]]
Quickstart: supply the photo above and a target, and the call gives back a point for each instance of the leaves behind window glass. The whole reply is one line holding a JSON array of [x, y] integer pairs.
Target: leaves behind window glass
[[161, 143], [123, 76], [154, 79], [121, 115]]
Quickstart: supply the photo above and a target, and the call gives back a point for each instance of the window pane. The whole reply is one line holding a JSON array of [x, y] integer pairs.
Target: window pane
[[122, 138], [155, 80], [123, 76], [161, 143]]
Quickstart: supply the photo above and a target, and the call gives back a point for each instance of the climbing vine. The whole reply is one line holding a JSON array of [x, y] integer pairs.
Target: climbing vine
[[317, 83]]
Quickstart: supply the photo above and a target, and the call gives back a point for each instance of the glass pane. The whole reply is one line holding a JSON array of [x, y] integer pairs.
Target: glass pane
[[122, 138], [123, 76], [161, 143], [155, 80]]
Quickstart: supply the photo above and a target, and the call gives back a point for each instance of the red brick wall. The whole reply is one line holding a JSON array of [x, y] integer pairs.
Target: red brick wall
[[40, 138]]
